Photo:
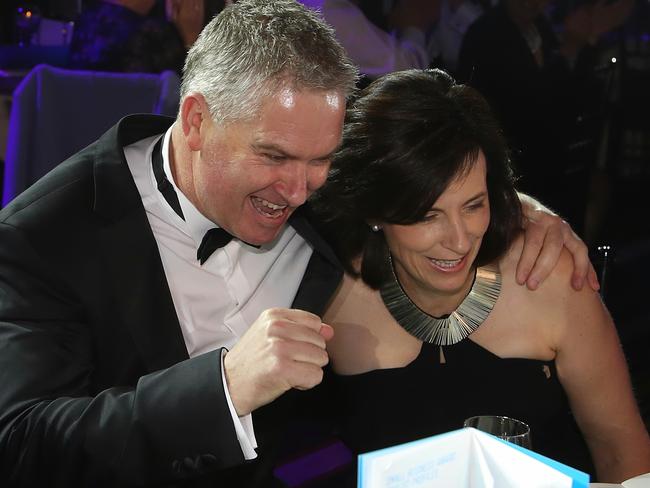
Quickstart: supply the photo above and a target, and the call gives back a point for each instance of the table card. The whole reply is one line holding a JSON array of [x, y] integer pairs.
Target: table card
[[465, 458]]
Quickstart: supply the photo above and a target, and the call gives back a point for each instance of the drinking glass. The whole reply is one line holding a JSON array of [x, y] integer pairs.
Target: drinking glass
[[506, 428]]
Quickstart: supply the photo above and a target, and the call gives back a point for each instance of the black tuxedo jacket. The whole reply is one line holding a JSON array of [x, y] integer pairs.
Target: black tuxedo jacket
[[96, 387]]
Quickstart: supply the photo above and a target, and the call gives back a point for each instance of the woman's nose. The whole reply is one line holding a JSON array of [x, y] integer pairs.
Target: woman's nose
[[457, 237]]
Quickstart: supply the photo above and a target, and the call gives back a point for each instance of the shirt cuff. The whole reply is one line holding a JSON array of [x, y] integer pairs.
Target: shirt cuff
[[243, 425]]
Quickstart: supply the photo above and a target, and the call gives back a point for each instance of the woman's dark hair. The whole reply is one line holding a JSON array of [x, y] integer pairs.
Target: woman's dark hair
[[408, 136]]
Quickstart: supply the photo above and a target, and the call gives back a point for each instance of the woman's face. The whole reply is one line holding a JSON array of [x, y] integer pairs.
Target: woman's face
[[435, 257]]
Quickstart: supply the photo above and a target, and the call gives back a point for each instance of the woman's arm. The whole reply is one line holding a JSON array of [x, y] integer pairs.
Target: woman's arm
[[593, 371]]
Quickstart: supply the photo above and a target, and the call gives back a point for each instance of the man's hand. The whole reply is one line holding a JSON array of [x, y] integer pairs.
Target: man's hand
[[545, 236], [283, 349]]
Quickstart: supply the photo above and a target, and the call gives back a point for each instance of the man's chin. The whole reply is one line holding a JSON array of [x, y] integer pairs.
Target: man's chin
[[261, 229], [265, 235]]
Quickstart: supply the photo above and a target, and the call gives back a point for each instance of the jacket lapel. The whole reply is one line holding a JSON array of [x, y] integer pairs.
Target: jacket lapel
[[135, 270], [324, 271]]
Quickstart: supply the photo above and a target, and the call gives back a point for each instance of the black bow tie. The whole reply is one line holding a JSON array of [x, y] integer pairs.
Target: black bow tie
[[212, 240]]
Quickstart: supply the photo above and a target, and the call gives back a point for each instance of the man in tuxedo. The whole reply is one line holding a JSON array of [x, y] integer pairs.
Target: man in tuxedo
[[165, 282]]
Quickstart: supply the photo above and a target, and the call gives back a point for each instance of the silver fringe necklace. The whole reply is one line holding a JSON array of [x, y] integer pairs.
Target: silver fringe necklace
[[471, 313]]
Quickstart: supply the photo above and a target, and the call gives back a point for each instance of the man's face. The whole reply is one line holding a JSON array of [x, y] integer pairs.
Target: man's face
[[250, 176]]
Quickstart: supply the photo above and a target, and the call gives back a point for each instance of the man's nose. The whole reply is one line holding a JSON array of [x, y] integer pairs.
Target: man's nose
[[294, 184]]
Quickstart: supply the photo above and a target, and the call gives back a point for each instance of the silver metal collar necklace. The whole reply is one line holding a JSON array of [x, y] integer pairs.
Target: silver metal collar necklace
[[471, 313]]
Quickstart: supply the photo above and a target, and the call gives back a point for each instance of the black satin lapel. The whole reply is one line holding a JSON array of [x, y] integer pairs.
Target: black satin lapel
[[133, 262], [324, 271], [318, 284], [143, 300], [301, 221], [111, 170]]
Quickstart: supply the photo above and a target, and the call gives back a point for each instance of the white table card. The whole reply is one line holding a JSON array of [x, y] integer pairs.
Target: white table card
[[465, 458]]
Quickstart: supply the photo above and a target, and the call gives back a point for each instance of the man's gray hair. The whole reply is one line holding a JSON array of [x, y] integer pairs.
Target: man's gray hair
[[254, 48]]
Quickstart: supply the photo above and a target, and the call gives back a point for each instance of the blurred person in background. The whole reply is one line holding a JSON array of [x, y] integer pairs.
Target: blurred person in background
[[544, 90], [375, 49], [133, 36]]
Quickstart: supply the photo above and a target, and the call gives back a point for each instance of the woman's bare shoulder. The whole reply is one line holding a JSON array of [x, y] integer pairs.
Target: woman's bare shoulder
[[554, 306], [557, 283], [545, 300]]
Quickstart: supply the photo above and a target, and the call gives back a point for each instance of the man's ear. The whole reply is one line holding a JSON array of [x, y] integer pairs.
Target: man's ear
[[194, 117]]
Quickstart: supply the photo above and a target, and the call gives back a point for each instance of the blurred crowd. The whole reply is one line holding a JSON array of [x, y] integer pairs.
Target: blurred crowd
[[548, 68], [539, 63], [544, 65]]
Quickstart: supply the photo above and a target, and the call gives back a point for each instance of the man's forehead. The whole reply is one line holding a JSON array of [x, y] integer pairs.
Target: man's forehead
[[288, 97], [303, 124]]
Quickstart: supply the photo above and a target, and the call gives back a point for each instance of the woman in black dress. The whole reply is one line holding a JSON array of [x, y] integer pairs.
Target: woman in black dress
[[431, 326]]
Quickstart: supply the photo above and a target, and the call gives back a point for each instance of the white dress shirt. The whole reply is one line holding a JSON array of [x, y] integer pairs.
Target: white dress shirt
[[215, 302]]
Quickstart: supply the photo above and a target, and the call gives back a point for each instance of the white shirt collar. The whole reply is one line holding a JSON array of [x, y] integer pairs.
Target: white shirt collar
[[196, 224]]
